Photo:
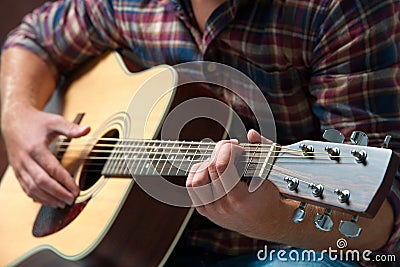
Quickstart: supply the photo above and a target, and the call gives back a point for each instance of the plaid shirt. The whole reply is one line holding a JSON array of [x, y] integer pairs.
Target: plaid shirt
[[319, 63]]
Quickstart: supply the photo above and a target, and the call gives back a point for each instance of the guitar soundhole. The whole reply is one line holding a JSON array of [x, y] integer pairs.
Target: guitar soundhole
[[51, 220], [96, 160]]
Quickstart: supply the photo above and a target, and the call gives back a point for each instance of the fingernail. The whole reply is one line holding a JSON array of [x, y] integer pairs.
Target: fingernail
[[69, 201], [76, 193], [234, 140], [84, 127]]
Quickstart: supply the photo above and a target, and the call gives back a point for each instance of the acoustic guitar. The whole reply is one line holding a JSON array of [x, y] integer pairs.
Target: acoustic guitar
[[117, 220]]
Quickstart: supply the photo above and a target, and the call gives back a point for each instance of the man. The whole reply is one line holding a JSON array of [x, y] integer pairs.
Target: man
[[320, 64]]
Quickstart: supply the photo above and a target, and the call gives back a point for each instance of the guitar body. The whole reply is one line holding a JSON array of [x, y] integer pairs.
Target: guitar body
[[115, 222]]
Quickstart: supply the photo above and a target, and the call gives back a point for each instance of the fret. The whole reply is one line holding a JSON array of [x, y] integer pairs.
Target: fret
[[132, 156], [127, 145], [159, 162], [182, 161], [110, 164], [252, 168], [144, 160], [177, 159], [163, 160], [268, 160], [139, 158], [261, 162], [149, 164], [171, 159], [120, 158], [192, 159], [250, 163], [205, 152]]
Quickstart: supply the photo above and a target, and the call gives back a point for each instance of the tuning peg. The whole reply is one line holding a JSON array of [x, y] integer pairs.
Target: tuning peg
[[316, 189], [343, 195], [308, 150], [324, 222], [350, 228], [299, 213], [360, 156], [386, 141], [333, 136], [292, 183], [333, 152], [359, 138]]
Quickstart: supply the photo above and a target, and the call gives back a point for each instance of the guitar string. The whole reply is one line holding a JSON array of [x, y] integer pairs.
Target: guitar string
[[179, 151], [273, 168], [257, 148], [61, 140], [138, 143], [183, 146], [198, 161], [151, 149], [165, 157], [254, 166], [180, 148], [186, 144], [205, 152]]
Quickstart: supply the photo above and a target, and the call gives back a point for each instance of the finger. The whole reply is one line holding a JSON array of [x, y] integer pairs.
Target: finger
[[198, 183], [36, 193], [218, 166], [225, 165], [29, 186], [46, 183], [193, 169], [69, 129], [216, 162], [254, 137], [55, 170]]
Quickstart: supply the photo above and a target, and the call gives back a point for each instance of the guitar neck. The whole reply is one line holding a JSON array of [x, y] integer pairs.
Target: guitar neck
[[175, 158], [349, 178]]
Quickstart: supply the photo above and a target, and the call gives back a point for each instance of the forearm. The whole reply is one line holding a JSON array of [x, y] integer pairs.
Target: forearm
[[25, 79]]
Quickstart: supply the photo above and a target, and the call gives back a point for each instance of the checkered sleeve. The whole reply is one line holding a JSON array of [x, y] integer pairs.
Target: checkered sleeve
[[66, 33], [356, 78]]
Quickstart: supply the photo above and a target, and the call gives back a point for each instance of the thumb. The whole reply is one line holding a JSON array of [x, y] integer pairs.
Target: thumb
[[254, 137], [69, 129]]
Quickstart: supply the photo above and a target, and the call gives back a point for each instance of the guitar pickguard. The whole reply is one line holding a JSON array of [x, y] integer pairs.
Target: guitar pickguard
[[51, 220]]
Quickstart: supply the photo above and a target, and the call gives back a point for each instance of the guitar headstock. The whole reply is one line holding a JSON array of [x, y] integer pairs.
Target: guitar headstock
[[349, 178]]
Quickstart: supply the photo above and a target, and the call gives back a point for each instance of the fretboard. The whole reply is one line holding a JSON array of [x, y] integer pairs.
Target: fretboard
[[175, 158]]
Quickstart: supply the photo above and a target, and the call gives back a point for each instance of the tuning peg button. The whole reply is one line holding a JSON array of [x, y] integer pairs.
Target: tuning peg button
[[386, 141], [324, 222], [359, 138], [333, 136], [299, 213], [350, 228]]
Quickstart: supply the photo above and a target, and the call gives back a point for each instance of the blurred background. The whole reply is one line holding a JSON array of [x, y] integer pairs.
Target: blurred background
[[11, 13]]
